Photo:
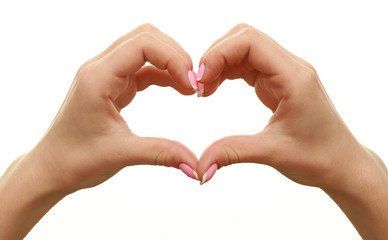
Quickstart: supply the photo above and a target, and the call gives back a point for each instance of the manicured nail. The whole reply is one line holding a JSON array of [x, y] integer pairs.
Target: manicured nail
[[201, 89], [191, 74], [201, 70], [209, 173], [188, 171]]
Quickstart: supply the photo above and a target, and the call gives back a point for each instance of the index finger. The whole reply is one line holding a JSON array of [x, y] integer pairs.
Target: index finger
[[149, 28], [126, 59], [247, 45]]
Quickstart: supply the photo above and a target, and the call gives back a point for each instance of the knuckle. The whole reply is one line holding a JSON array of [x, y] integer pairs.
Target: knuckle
[[163, 159], [251, 32], [306, 73], [167, 153], [83, 66], [144, 37], [307, 77], [241, 26], [147, 27], [308, 65], [85, 72], [229, 152], [231, 156], [87, 76]]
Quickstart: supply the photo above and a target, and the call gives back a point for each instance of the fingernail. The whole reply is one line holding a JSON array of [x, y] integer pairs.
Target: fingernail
[[209, 173], [201, 70], [193, 82], [201, 89], [188, 171]]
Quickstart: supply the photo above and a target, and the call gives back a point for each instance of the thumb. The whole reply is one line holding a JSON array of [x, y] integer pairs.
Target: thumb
[[159, 151], [235, 149]]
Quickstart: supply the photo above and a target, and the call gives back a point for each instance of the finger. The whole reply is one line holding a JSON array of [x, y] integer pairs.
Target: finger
[[238, 28], [124, 61], [151, 75], [252, 77], [236, 149], [231, 32], [146, 77], [244, 26], [148, 28], [239, 70], [164, 38], [248, 46], [157, 151], [131, 55]]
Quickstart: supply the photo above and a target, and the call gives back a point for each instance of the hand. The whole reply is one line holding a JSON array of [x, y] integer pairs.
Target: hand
[[305, 139], [89, 141]]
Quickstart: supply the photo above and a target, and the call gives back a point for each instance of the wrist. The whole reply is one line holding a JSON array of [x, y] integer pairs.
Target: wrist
[[348, 167], [26, 195], [362, 194], [366, 207], [360, 172]]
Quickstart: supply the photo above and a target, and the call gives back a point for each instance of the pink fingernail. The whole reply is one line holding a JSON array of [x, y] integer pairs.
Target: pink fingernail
[[201, 70], [209, 173], [201, 89], [188, 171], [191, 74]]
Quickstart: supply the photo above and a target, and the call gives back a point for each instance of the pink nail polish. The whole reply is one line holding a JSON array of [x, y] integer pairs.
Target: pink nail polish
[[188, 171], [209, 173], [192, 76], [201, 89], [201, 70]]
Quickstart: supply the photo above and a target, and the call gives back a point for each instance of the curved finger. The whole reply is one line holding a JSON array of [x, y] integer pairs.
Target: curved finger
[[242, 27], [144, 28], [246, 46], [237, 71], [151, 75], [136, 150], [122, 63], [252, 77], [231, 32]]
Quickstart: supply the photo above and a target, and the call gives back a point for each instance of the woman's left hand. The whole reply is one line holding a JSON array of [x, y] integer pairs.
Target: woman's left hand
[[88, 141]]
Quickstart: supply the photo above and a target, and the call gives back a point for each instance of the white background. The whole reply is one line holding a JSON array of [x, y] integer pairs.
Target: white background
[[43, 43]]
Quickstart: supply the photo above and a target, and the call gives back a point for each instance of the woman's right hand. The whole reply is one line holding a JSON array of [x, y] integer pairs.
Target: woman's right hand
[[305, 139]]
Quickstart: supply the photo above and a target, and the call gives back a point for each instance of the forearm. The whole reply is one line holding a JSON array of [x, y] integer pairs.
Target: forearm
[[26, 195], [365, 203]]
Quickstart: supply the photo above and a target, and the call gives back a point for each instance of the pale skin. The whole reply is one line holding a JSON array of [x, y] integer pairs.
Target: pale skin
[[89, 142]]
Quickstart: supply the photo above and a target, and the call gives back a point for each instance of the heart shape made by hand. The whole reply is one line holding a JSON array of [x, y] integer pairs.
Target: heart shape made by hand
[[300, 140]]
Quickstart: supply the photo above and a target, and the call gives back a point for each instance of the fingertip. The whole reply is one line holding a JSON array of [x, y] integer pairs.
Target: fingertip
[[224, 152], [212, 155], [209, 173], [192, 76], [208, 78], [201, 72], [201, 89], [186, 169], [211, 88], [183, 75]]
